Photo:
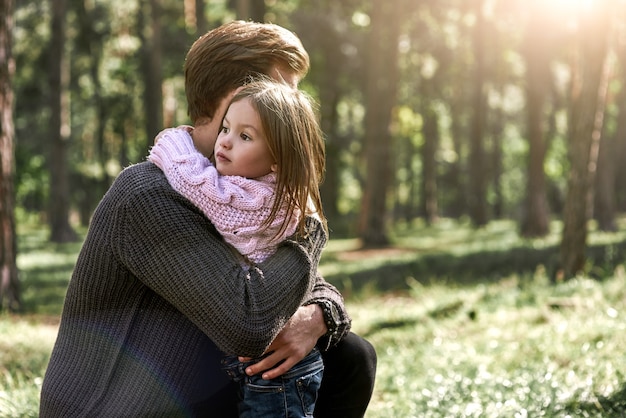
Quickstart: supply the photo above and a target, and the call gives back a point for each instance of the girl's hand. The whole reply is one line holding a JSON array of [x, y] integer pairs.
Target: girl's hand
[[187, 128]]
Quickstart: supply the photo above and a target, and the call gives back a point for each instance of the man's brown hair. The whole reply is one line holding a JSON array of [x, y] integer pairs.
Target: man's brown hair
[[225, 57]]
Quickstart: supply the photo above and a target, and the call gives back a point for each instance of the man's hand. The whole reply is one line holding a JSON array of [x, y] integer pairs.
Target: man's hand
[[293, 343]]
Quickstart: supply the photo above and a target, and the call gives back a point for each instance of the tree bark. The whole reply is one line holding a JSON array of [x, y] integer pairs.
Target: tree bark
[[619, 155], [537, 53], [477, 199], [497, 126], [152, 58], [249, 9], [92, 186], [60, 129], [328, 122], [604, 204], [382, 82], [10, 296], [430, 131], [242, 8], [202, 25], [587, 110], [454, 177]]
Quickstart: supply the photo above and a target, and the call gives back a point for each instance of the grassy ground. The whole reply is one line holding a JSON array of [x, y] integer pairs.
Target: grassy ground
[[513, 349], [456, 335]]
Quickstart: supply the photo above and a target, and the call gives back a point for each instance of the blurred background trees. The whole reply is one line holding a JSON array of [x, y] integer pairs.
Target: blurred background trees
[[473, 110], [9, 283]]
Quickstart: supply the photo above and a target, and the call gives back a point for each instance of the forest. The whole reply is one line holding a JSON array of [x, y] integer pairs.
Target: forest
[[474, 110]]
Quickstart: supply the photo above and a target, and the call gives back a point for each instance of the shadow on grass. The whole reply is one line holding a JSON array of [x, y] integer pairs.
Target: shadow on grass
[[480, 267], [613, 406], [393, 324], [442, 311], [43, 288]]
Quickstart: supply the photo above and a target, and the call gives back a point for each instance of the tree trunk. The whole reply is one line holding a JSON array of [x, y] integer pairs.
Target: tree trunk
[[59, 199], [152, 57], [89, 187], [477, 200], [536, 51], [412, 208], [497, 133], [620, 137], [242, 7], [329, 190], [604, 205], [9, 280], [257, 10], [202, 25], [249, 9], [429, 162], [604, 196], [585, 124], [454, 177], [382, 81]]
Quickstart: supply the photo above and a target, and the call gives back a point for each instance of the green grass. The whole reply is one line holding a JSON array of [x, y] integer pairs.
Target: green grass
[[25, 345], [466, 323], [519, 348]]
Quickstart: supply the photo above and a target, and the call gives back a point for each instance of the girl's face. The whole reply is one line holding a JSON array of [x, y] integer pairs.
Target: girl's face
[[206, 128], [241, 148]]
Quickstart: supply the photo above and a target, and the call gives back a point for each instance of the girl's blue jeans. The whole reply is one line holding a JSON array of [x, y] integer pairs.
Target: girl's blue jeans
[[288, 396]]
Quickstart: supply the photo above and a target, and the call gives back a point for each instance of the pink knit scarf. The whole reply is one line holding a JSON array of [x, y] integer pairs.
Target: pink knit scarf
[[237, 206]]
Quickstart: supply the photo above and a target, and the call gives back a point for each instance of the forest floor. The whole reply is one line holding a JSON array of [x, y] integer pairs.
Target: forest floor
[[466, 323]]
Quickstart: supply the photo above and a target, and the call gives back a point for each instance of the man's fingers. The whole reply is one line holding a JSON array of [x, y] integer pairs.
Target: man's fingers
[[267, 363], [280, 369], [269, 368]]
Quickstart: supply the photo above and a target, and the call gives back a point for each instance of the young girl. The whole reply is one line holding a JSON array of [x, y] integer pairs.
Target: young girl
[[269, 162]]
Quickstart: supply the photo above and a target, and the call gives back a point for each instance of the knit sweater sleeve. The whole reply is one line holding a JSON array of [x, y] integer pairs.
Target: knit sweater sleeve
[[324, 291], [170, 246], [237, 206]]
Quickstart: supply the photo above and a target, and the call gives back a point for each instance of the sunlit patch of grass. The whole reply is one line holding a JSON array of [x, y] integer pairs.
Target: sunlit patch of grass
[[511, 349], [25, 347]]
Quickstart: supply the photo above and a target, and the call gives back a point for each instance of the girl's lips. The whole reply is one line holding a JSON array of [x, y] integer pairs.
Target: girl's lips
[[221, 157]]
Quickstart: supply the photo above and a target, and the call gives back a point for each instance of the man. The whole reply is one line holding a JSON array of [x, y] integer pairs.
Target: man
[[156, 293]]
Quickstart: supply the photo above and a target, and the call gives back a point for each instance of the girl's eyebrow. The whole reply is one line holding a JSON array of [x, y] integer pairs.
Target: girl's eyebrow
[[251, 127]]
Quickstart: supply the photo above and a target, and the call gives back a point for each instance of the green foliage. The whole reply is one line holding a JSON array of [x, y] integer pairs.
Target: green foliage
[[31, 180]]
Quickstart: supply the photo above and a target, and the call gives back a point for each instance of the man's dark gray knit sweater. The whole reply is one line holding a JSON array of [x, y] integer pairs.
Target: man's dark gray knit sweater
[[156, 294]]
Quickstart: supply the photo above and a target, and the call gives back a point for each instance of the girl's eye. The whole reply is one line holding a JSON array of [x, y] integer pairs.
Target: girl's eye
[[223, 130], [245, 137]]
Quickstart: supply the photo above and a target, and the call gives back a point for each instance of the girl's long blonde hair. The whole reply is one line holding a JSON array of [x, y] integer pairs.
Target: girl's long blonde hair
[[296, 142]]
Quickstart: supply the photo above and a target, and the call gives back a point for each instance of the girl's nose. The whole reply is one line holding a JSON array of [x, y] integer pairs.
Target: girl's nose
[[224, 141]]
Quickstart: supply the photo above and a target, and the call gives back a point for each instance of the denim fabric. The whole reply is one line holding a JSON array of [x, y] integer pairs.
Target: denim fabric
[[292, 395]]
